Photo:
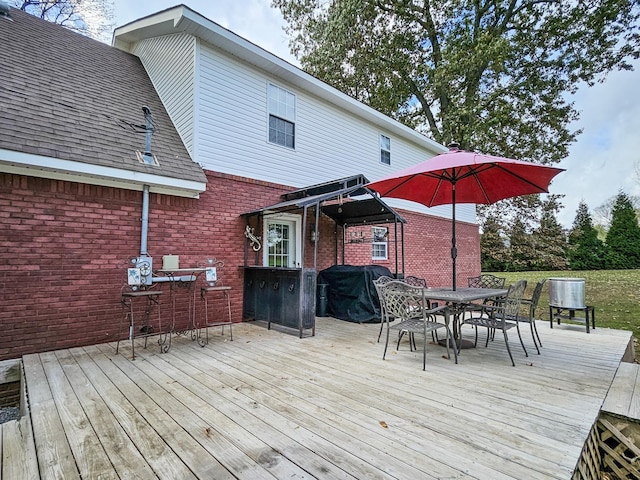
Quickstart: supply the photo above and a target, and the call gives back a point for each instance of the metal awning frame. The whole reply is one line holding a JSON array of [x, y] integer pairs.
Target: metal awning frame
[[345, 201]]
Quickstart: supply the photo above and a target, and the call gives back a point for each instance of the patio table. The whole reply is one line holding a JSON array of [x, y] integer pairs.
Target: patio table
[[457, 299]]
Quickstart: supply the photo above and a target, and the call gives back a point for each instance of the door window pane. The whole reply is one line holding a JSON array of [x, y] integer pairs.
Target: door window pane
[[279, 245]]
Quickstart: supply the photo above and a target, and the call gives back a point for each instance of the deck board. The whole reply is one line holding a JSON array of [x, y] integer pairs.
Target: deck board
[[221, 424], [144, 436], [271, 405], [18, 450], [166, 413], [88, 452], [293, 410], [450, 418], [55, 457], [623, 397], [356, 418]]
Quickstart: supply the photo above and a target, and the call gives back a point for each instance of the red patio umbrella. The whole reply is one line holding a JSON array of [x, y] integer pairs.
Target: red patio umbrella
[[458, 176]]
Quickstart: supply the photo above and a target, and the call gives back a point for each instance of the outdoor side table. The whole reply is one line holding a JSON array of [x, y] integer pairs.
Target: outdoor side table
[[204, 295], [566, 313], [152, 300], [185, 279]]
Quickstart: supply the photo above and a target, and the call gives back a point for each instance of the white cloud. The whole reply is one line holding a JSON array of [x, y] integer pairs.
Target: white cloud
[[602, 161]]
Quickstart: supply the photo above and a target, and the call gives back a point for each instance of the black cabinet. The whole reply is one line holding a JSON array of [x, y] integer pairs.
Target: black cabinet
[[284, 296]]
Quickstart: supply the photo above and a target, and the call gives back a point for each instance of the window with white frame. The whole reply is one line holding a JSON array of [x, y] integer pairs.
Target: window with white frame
[[282, 239], [380, 244], [385, 150], [282, 116]]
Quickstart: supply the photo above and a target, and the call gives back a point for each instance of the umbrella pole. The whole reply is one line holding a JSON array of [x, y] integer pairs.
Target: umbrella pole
[[454, 250]]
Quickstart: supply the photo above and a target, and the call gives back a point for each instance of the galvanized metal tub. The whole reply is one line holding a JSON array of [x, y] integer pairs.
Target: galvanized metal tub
[[567, 292]]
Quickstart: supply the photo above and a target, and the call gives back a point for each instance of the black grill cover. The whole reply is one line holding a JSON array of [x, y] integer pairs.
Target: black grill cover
[[351, 294]]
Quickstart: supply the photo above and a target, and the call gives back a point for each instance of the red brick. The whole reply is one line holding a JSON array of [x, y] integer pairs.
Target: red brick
[[62, 275]]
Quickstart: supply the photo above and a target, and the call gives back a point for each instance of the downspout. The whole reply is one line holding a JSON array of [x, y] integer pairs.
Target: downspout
[[145, 221], [148, 156], [144, 261]]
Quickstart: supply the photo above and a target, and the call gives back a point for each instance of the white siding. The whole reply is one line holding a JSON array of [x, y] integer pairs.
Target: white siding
[[170, 62], [330, 143]]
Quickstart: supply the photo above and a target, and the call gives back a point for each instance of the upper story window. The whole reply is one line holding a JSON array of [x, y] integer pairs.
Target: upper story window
[[379, 249], [385, 149], [282, 116]]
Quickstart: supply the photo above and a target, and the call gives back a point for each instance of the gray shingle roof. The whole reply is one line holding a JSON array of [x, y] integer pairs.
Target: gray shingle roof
[[67, 96]]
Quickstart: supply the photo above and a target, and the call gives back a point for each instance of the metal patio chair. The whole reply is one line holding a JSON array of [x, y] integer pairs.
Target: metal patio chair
[[378, 283], [486, 280], [419, 282], [407, 305], [409, 280], [501, 316], [530, 318], [415, 281]]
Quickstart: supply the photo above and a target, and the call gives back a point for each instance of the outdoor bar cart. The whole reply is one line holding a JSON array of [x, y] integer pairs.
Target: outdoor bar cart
[[285, 294]]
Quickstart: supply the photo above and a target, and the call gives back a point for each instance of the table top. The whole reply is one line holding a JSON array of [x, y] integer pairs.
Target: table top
[[463, 294], [182, 270], [141, 293], [216, 288]]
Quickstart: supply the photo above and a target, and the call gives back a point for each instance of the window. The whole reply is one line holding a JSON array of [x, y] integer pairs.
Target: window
[[282, 116], [385, 150], [380, 244], [281, 240], [279, 244]]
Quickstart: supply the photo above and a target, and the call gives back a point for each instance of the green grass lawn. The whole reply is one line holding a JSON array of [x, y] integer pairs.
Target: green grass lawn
[[615, 294]]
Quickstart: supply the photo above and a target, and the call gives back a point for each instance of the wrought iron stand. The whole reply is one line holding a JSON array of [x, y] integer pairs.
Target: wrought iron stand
[[146, 329]]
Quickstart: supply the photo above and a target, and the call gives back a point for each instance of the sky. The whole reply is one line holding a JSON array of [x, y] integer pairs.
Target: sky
[[600, 164]]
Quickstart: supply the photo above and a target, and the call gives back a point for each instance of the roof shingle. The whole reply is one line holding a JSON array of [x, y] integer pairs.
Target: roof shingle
[[67, 96]]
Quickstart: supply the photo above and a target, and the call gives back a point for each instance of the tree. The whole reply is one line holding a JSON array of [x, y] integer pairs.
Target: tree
[[93, 18], [544, 248], [521, 248], [586, 251], [490, 75], [549, 239], [604, 212], [623, 237], [493, 249]]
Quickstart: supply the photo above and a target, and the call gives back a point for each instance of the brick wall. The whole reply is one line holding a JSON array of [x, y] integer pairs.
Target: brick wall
[[64, 249], [427, 249]]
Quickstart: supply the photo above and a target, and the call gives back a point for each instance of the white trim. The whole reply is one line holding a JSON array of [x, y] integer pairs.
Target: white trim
[[285, 118], [278, 114], [285, 217], [385, 243], [20, 163], [197, 86]]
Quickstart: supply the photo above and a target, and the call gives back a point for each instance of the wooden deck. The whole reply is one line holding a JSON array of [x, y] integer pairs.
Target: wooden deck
[[624, 395], [271, 405]]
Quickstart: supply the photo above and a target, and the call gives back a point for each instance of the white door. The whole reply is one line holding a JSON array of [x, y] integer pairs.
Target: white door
[[282, 241]]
